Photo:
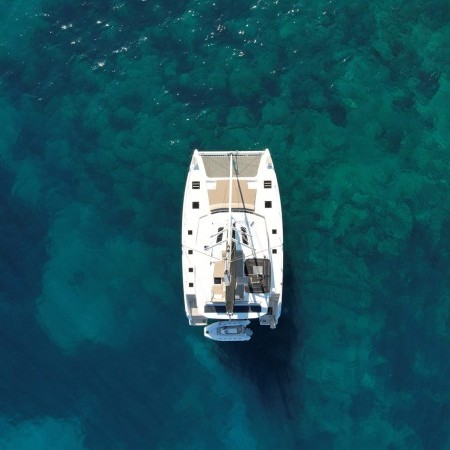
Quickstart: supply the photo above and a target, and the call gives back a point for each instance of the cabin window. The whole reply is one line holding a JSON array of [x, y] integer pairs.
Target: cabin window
[[220, 235], [195, 205]]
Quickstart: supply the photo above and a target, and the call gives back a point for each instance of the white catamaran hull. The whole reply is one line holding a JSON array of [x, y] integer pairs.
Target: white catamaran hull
[[232, 239]]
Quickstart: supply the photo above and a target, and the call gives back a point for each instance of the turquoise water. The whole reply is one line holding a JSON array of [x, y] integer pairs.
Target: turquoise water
[[101, 105]]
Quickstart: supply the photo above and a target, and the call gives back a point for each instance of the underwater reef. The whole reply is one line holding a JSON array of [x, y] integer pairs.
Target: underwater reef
[[102, 104]]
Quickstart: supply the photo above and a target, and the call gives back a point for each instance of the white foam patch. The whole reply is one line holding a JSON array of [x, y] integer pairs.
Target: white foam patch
[[43, 434], [95, 288]]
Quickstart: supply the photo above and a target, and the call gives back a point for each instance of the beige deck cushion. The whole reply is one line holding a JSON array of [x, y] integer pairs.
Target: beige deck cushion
[[242, 195]]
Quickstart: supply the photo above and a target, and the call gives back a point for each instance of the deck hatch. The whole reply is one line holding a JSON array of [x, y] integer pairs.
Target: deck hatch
[[267, 184], [196, 185]]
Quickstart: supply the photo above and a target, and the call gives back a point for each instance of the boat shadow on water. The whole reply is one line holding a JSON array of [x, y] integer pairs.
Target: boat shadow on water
[[267, 359]]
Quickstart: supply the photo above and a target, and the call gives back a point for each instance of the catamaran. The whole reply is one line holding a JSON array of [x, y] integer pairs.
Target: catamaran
[[232, 243]]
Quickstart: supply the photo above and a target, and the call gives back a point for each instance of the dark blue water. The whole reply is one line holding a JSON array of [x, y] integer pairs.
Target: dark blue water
[[101, 105]]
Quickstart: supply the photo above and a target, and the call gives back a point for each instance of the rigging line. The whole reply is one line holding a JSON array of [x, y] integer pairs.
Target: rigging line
[[251, 162], [238, 180], [202, 253]]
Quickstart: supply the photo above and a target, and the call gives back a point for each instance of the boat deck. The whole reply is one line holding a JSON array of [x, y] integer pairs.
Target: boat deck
[[252, 215]]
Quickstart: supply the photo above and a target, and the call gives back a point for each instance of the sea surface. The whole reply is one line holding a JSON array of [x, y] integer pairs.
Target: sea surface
[[101, 106]]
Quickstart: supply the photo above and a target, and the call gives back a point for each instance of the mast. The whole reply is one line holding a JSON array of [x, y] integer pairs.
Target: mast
[[230, 269], [230, 219]]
